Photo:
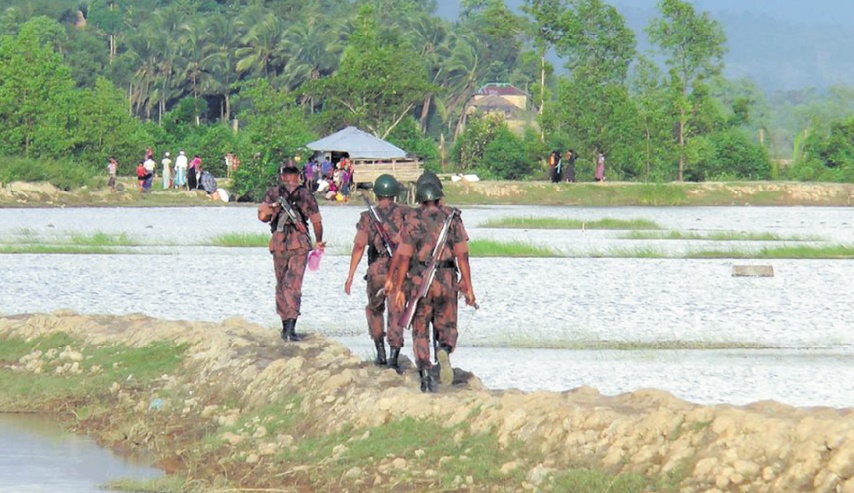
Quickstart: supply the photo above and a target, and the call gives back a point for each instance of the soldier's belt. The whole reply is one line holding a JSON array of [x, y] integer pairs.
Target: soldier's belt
[[447, 264]]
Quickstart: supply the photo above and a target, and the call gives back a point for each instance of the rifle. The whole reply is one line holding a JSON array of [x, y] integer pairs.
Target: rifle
[[292, 215], [428, 274], [378, 225]]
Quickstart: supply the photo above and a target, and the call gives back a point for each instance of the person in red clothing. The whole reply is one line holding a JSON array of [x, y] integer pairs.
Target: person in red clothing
[[141, 175]]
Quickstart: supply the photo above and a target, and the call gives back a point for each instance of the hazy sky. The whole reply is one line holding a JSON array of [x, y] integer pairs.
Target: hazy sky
[[833, 12], [780, 44]]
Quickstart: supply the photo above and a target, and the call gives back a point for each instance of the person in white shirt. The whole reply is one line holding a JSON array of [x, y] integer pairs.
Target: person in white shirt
[[167, 171], [149, 165], [181, 170]]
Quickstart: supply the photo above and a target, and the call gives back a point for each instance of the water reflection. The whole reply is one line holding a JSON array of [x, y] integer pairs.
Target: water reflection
[[804, 310], [36, 456]]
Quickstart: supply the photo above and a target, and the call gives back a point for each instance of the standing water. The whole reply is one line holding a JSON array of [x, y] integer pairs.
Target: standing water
[[37, 457], [544, 324]]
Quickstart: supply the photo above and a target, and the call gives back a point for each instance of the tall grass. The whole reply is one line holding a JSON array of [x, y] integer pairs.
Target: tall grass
[[241, 240], [783, 252], [714, 236], [661, 194], [561, 223], [493, 248], [100, 238]]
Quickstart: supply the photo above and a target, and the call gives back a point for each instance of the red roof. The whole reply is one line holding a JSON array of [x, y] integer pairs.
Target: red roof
[[500, 90]]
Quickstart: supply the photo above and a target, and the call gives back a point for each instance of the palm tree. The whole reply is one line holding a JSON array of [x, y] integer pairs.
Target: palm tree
[[261, 46], [224, 31], [461, 75], [433, 36]]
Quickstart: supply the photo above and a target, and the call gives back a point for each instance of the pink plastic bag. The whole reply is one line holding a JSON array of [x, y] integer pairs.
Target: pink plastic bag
[[314, 257]]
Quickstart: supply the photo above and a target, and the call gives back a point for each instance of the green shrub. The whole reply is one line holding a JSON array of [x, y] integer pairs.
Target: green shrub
[[65, 175]]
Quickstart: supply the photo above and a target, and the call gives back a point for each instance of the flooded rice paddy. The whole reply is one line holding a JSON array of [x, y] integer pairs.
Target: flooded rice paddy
[[616, 324]]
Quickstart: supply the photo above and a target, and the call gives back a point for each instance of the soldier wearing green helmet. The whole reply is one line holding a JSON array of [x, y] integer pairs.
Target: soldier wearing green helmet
[[421, 239], [378, 230]]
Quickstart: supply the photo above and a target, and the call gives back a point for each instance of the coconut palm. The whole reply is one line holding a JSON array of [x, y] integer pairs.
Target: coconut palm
[[262, 45], [224, 31]]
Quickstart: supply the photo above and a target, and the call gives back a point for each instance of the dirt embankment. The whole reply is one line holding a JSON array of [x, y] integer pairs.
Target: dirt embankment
[[765, 447], [777, 193]]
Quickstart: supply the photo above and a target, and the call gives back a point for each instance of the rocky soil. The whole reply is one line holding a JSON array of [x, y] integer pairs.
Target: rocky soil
[[764, 447]]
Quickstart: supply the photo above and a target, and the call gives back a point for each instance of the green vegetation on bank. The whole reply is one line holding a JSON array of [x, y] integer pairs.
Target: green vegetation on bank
[[241, 240], [149, 398], [604, 345], [559, 223], [714, 236], [69, 375], [494, 248]]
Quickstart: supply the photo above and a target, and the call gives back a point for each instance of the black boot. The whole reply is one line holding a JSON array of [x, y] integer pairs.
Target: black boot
[[289, 328], [380, 344], [426, 380], [394, 352]]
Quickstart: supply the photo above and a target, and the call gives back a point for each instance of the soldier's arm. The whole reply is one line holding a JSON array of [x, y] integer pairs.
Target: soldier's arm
[[355, 257], [461, 251]]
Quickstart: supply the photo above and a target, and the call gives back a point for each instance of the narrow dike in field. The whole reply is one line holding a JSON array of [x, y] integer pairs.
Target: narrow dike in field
[[228, 405]]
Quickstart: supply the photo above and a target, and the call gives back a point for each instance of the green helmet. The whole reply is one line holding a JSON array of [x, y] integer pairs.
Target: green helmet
[[428, 177], [428, 191], [386, 186]]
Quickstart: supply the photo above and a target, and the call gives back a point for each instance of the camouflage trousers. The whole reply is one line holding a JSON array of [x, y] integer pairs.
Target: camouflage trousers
[[438, 308], [377, 304], [290, 269]]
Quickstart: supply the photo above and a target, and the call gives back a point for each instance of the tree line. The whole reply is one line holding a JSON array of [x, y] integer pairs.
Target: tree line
[[111, 77]]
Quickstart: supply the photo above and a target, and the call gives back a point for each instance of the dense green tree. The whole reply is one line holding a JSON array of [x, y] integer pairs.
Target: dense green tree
[[275, 129], [36, 94], [104, 127], [694, 46], [598, 45], [378, 83]]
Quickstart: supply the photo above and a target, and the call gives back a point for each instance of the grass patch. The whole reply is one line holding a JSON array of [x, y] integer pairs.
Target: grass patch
[[423, 444], [714, 236], [661, 194], [493, 248], [593, 345], [241, 240], [561, 223], [594, 481], [167, 484], [101, 239], [100, 367], [785, 252], [47, 249]]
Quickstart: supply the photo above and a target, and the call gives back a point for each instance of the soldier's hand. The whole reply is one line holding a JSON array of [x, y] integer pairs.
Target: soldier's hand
[[470, 299], [399, 300], [320, 245], [347, 285], [388, 286]]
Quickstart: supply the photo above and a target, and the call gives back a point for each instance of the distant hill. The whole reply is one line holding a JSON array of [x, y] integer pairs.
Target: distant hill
[[779, 44]]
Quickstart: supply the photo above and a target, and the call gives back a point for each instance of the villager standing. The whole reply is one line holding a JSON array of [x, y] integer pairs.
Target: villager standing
[[166, 162], [194, 172], [554, 171], [181, 170], [288, 208], [600, 168], [570, 158], [379, 229], [112, 166], [432, 236], [150, 166]]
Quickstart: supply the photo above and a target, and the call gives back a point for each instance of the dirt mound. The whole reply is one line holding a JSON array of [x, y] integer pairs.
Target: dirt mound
[[765, 447]]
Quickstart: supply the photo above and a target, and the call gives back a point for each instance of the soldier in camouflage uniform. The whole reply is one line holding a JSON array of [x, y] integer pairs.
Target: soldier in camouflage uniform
[[290, 242], [391, 217], [421, 230]]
